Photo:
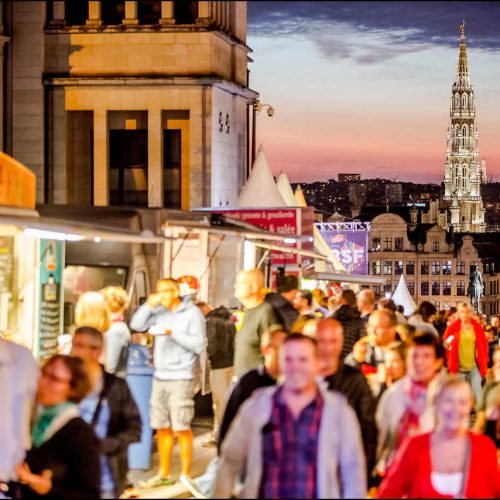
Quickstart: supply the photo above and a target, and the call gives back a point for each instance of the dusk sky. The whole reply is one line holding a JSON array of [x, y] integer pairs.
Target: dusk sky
[[365, 86]]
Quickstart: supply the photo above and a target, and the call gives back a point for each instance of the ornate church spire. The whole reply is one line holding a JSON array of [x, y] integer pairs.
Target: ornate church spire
[[463, 79], [464, 172]]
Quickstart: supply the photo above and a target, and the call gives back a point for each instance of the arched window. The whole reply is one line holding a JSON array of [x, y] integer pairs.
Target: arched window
[[464, 101], [457, 101]]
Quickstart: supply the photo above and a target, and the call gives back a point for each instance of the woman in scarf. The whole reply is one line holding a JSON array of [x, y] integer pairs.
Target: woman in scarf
[[64, 459]]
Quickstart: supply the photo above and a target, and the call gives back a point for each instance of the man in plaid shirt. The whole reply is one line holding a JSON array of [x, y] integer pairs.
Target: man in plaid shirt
[[294, 440]]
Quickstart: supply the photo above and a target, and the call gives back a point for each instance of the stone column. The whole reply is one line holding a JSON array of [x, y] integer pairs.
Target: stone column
[[101, 168], [167, 13], [58, 13], [204, 13], [131, 14], [94, 17], [155, 164]]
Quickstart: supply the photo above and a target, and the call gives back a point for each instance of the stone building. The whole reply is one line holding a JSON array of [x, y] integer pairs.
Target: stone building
[[435, 262], [139, 103], [464, 172]]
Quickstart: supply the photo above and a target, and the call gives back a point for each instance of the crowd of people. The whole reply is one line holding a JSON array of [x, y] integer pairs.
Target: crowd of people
[[316, 394]]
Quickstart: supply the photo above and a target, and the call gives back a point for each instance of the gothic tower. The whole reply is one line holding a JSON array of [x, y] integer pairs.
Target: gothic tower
[[464, 172]]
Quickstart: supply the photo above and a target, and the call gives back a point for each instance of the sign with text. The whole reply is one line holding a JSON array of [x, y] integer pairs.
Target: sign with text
[[284, 221], [350, 247]]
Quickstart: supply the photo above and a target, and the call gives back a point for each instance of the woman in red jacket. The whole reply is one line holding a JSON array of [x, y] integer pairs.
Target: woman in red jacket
[[449, 462], [467, 349]]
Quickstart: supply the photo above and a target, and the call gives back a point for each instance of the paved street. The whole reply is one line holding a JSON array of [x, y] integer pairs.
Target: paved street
[[201, 458]]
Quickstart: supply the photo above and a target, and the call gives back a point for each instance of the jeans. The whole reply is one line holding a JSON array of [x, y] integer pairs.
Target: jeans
[[475, 380]]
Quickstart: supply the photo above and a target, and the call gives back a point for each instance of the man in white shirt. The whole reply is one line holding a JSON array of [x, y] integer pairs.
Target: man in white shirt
[[18, 382]]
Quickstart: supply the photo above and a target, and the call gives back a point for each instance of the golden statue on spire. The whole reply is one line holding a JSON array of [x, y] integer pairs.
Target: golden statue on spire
[[462, 28]]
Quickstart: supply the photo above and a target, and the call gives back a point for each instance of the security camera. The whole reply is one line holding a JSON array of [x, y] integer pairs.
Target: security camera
[[270, 111]]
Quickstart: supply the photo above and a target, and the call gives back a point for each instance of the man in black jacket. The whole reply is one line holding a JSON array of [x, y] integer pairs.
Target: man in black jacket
[[350, 318], [283, 300], [264, 375], [349, 381], [220, 352], [111, 410]]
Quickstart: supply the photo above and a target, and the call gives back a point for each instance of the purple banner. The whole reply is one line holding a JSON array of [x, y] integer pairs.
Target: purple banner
[[350, 247]]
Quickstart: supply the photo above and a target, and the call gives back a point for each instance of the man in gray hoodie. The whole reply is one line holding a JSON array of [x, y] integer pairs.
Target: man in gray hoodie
[[180, 332]]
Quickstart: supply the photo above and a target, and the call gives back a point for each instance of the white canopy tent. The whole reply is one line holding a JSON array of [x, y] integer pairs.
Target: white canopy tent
[[402, 297], [260, 189]]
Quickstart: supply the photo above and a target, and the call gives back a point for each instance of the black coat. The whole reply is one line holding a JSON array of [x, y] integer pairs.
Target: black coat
[[220, 338], [353, 385], [125, 426], [353, 325], [72, 454], [284, 308]]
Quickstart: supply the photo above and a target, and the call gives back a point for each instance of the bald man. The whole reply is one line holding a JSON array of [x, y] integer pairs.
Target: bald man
[[366, 303], [260, 317], [349, 381]]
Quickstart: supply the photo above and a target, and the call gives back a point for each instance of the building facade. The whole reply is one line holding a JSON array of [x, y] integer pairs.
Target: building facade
[[435, 264], [138, 103], [464, 171]]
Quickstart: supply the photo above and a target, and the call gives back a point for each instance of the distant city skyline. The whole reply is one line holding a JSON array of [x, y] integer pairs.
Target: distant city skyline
[[365, 87]]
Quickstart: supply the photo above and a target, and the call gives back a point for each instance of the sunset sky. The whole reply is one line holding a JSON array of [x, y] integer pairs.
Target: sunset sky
[[365, 86]]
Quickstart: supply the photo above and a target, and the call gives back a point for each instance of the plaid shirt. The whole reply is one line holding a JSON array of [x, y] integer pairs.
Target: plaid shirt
[[290, 449]]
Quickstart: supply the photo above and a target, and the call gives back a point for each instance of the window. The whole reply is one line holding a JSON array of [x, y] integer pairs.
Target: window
[[446, 287], [128, 167], [410, 268], [424, 267], [172, 168], [387, 267], [185, 12], [436, 288], [376, 244], [435, 246], [398, 267], [387, 244], [411, 287], [76, 13], [376, 290], [493, 287], [149, 11], [436, 268], [436, 304], [424, 288], [112, 12], [460, 288], [398, 244], [460, 267], [447, 268], [487, 267], [388, 287], [376, 267]]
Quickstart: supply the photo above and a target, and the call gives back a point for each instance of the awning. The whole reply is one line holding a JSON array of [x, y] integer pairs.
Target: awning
[[297, 251], [236, 227], [62, 229], [362, 279]]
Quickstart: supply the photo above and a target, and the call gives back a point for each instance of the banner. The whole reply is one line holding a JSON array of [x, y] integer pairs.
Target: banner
[[51, 296], [350, 247]]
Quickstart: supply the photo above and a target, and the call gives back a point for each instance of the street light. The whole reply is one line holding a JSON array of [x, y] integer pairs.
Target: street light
[[257, 107]]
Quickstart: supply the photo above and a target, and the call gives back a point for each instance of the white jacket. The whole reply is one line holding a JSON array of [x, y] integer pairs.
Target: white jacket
[[18, 382]]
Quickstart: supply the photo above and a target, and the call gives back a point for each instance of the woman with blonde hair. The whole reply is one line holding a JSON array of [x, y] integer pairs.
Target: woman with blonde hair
[[449, 462], [92, 310], [117, 337]]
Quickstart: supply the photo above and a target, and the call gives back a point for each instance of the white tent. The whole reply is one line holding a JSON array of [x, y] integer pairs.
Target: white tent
[[286, 190], [402, 297], [260, 189]]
